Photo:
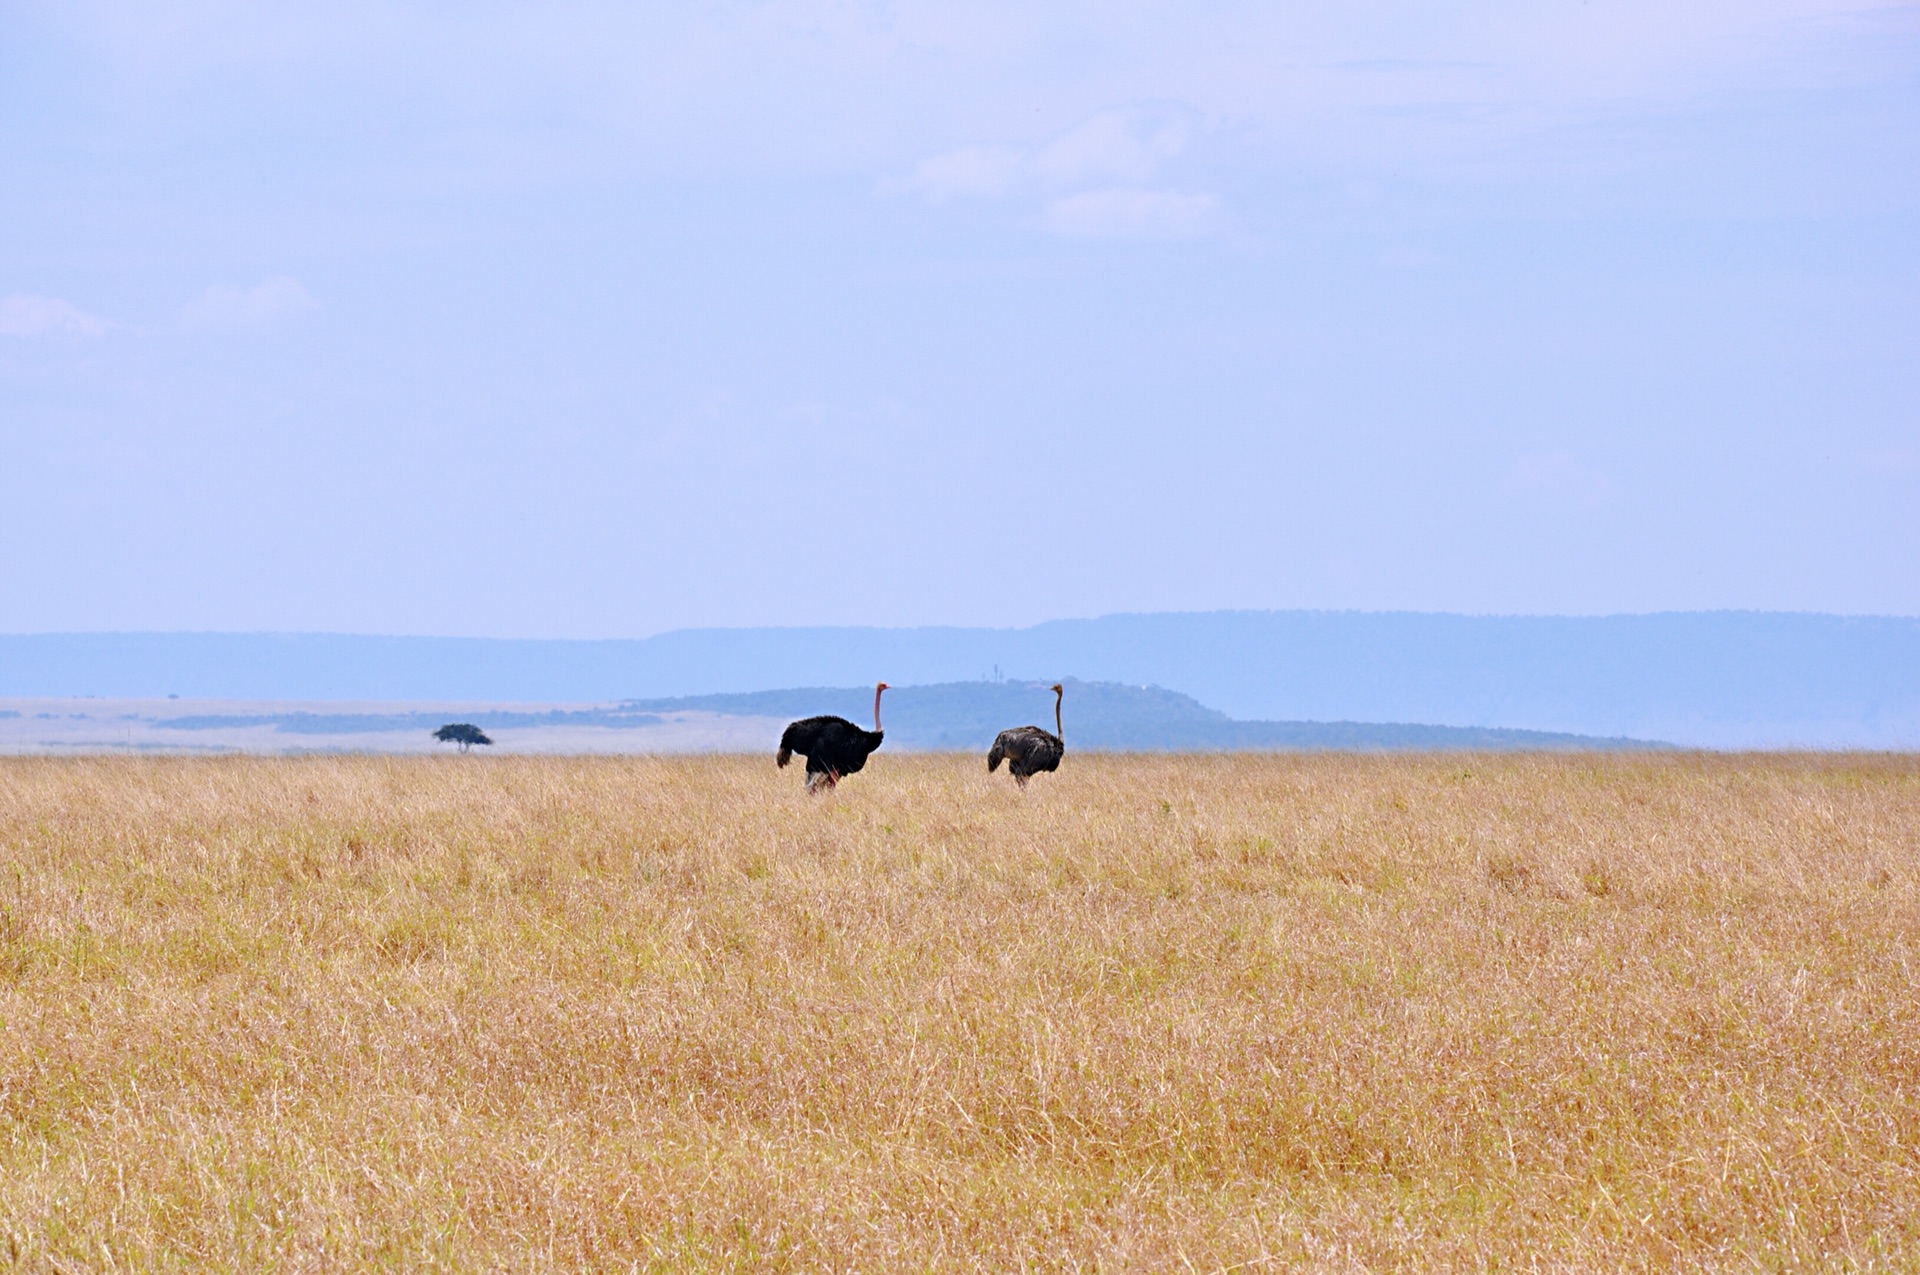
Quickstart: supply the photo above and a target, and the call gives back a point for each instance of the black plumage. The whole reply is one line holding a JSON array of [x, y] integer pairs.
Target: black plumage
[[833, 746], [1029, 750]]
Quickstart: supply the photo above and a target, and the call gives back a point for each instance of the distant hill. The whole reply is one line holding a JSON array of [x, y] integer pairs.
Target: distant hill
[[1099, 715], [1713, 679], [952, 715]]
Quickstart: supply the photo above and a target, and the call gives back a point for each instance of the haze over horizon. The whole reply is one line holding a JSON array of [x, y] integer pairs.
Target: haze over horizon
[[1721, 680], [582, 321]]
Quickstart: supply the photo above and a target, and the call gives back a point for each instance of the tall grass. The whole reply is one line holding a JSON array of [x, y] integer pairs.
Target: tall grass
[[1154, 1013]]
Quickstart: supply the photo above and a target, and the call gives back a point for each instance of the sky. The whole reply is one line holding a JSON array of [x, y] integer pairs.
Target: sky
[[598, 320]]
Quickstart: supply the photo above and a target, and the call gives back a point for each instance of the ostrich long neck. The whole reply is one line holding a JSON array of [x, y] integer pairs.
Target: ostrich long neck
[[1058, 733], [876, 710]]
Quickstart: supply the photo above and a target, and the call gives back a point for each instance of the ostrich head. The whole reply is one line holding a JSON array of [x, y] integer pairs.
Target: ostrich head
[[878, 687]]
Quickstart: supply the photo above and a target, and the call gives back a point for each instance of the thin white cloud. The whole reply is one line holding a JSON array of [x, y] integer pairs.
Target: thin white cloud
[[1092, 180], [1128, 212], [224, 306], [1126, 144], [1120, 145], [970, 172], [23, 314]]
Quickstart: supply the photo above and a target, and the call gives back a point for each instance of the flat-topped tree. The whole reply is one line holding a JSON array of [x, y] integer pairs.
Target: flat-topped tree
[[465, 734]]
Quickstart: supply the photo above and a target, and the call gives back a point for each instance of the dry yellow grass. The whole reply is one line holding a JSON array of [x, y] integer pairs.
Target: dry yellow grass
[[1155, 1013]]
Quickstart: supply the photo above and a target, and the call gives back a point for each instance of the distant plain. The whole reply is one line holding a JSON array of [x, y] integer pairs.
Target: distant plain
[[92, 724], [1234, 1012], [941, 717]]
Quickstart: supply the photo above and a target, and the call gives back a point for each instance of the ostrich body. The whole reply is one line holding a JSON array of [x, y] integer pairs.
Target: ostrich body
[[833, 746], [1028, 750]]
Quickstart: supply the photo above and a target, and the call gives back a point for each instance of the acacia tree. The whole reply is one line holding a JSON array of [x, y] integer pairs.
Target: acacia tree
[[465, 734]]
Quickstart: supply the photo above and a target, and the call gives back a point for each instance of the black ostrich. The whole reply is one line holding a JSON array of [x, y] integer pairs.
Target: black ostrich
[[833, 746], [1028, 750]]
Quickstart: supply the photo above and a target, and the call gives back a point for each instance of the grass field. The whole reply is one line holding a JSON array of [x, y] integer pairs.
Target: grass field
[[1218, 1013]]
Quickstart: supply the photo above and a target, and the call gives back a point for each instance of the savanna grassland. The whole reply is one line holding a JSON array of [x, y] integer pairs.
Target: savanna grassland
[[1155, 1013]]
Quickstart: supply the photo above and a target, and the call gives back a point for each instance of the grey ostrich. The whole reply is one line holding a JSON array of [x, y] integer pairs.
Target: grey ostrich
[[1028, 750]]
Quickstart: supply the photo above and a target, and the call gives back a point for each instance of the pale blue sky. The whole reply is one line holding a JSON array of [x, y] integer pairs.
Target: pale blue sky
[[562, 320]]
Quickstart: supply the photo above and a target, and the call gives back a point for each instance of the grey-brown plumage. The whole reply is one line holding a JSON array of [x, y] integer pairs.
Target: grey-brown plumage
[[1029, 750], [833, 746]]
